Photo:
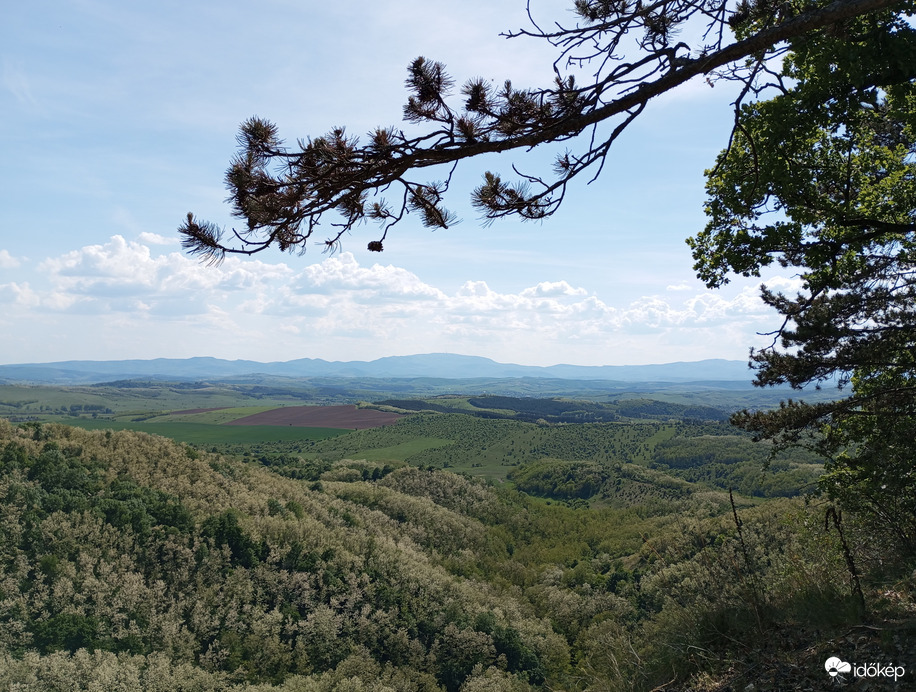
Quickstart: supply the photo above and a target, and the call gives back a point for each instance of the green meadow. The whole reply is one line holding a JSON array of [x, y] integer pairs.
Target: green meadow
[[210, 434], [217, 417]]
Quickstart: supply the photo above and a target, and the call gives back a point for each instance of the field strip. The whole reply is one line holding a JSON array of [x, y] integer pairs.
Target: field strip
[[217, 416], [202, 433], [320, 417]]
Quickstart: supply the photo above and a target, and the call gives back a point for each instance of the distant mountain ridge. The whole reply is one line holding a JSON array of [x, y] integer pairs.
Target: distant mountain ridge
[[435, 365]]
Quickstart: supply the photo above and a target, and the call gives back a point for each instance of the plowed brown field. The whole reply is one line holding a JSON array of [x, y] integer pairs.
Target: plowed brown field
[[320, 417]]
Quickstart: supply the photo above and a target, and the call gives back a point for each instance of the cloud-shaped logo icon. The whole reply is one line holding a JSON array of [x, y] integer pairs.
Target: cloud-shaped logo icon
[[835, 666]]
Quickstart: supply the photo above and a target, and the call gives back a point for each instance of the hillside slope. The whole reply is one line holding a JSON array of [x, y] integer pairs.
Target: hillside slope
[[135, 563]]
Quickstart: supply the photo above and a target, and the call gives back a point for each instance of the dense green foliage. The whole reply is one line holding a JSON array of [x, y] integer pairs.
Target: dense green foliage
[[229, 568], [561, 479], [710, 453], [145, 560], [531, 409], [821, 178], [730, 461]]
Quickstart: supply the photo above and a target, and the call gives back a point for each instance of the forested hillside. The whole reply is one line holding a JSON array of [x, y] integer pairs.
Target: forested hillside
[[711, 453], [133, 562], [558, 410]]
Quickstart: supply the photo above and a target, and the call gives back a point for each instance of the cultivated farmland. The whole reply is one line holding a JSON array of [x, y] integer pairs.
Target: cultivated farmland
[[321, 417]]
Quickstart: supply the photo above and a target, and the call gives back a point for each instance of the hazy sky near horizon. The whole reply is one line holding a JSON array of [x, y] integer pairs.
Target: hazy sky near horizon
[[119, 118]]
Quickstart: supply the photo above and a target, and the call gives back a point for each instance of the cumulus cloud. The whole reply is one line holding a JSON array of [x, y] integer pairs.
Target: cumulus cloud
[[343, 273], [338, 297], [338, 308], [20, 295], [7, 261], [106, 274], [553, 288]]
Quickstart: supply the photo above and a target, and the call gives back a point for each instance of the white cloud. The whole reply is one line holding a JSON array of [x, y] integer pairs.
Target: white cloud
[[7, 261], [343, 272], [340, 309], [155, 239], [785, 284], [20, 295], [58, 301], [554, 288], [119, 268]]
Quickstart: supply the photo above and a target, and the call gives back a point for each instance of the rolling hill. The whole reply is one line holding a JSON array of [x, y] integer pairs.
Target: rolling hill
[[435, 365]]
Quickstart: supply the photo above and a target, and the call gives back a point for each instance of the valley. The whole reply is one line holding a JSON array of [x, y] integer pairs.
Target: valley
[[454, 542]]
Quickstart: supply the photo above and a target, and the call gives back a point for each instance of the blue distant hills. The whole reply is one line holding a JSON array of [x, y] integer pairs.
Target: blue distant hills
[[429, 365]]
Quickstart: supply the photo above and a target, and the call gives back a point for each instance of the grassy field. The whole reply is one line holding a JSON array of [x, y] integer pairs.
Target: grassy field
[[218, 417], [156, 408], [140, 398], [208, 434], [659, 437], [405, 450]]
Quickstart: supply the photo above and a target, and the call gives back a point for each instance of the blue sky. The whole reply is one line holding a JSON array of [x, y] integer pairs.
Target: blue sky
[[119, 118]]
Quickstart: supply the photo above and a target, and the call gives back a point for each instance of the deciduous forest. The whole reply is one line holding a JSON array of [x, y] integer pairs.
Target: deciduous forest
[[449, 551]]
